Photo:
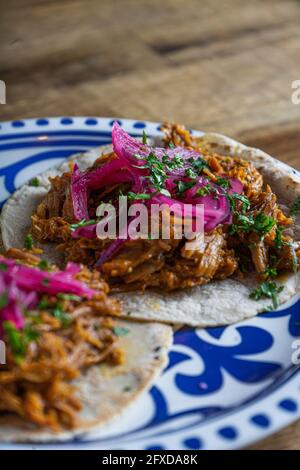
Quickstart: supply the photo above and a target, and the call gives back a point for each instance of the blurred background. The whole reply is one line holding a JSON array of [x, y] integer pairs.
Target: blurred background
[[214, 65]]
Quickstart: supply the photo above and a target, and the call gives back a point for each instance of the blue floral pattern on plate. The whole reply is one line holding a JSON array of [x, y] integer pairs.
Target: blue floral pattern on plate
[[224, 388]]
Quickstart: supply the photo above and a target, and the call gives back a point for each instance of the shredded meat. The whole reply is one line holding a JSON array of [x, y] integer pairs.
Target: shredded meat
[[166, 265], [39, 387]]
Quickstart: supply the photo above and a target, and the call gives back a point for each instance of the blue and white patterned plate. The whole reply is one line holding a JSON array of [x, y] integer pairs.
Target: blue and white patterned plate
[[224, 388]]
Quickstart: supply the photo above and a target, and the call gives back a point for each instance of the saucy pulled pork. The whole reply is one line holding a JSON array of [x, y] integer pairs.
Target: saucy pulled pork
[[61, 337], [255, 240]]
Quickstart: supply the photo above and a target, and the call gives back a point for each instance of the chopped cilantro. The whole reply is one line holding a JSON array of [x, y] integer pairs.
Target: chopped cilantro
[[243, 223], [198, 164], [119, 331], [267, 289], [159, 169], [261, 224], [223, 183], [55, 308], [145, 138], [28, 243], [279, 243], [34, 182], [34, 316], [295, 207], [157, 173], [73, 297], [205, 190], [134, 196], [44, 265], [239, 197], [182, 187], [271, 272], [278, 238], [43, 304], [82, 223], [3, 267], [46, 282], [3, 300], [63, 317], [19, 339], [173, 163], [295, 261], [190, 173]]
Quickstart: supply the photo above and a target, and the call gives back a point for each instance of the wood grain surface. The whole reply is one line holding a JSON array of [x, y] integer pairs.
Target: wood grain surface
[[214, 65]]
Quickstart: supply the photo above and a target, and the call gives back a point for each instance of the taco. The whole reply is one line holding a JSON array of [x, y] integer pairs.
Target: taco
[[247, 262], [72, 365]]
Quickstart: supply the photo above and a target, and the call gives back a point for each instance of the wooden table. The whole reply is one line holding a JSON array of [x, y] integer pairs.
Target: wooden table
[[215, 65]]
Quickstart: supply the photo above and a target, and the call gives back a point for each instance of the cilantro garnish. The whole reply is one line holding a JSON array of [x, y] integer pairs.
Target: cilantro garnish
[[190, 173], [278, 238], [182, 187], [243, 223], [34, 182], [28, 242], [134, 196], [119, 331], [43, 304], [239, 197], [271, 272], [223, 183], [19, 339], [3, 267], [158, 170], [64, 318], [44, 265], [173, 163], [261, 223], [73, 297], [268, 289], [157, 173], [55, 308], [46, 282], [3, 300], [295, 207], [205, 190], [145, 138], [279, 243], [295, 261], [82, 223], [198, 164]]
